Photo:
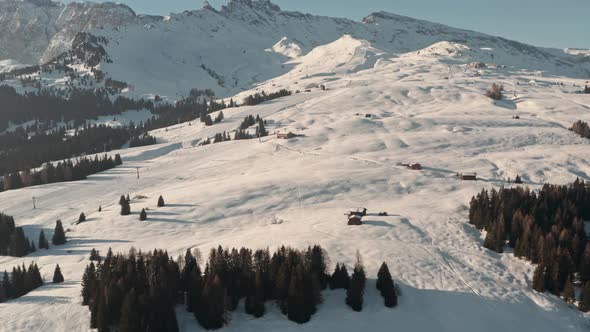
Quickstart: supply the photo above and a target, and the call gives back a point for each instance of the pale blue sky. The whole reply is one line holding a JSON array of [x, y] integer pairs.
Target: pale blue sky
[[553, 23]]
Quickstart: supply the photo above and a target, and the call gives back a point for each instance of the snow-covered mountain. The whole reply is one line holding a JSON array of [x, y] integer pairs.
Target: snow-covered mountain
[[243, 43], [38, 30]]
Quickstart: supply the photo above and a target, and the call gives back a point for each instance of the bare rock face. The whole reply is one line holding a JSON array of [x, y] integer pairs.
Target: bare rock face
[[38, 30]]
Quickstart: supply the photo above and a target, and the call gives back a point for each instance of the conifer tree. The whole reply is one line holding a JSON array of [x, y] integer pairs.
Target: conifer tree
[[356, 289], [100, 208], [82, 218], [130, 319], [296, 305], [19, 245], [161, 201], [334, 278], [539, 278], [6, 287], [584, 304], [88, 279], [59, 236], [568, 291], [57, 276], [143, 215], [43, 243], [125, 208], [213, 315], [122, 200], [256, 300], [386, 286], [95, 255]]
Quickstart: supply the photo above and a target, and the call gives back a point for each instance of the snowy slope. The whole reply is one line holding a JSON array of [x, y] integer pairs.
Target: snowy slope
[[427, 108]]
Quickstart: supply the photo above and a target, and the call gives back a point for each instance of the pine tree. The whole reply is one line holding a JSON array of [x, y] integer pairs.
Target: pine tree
[[584, 303], [569, 295], [95, 255], [539, 279], [386, 286], [100, 208], [59, 236], [6, 287], [257, 300], [130, 319], [88, 279], [161, 201], [122, 200], [82, 218], [296, 304], [212, 316], [57, 276], [334, 278], [356, 289], [143, 215], [125, 208], [43, 244], [19, 245]]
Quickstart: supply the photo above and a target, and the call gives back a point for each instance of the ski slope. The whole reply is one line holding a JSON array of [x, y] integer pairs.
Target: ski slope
[[424, 107]]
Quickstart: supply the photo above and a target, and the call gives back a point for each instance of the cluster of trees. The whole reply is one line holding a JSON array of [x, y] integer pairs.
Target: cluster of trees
[[12, 239], [545, 227], [259, 98], [20, 150], [21, 282], [496, 92], [132, 293], [581, 128], [242, 131], [52, 105], [142, 140], [62, 172], [138, 292]]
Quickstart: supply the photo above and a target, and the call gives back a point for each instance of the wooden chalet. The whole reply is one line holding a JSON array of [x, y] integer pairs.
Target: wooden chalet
[[361, 212], [355, 220], [467, 176], [288, 135], [415, 166]]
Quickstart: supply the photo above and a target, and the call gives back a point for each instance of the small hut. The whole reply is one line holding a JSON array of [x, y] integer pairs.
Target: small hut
[[415, 166], [467, 176], [361, 212], [288, 135], [355, 220]]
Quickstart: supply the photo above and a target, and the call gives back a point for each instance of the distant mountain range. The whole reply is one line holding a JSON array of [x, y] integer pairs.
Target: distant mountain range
[[243, 43]]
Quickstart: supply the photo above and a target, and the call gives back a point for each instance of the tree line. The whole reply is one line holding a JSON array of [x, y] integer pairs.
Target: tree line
[[51, 105], [138, 291], [20, 150], [259, 98], [545, 227], [61, 172]]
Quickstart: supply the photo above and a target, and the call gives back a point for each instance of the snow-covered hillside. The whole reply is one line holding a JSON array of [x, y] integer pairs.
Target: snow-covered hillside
[[378, 110]]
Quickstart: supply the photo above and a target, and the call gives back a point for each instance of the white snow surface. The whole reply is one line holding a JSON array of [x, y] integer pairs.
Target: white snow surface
[[425, 107]]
